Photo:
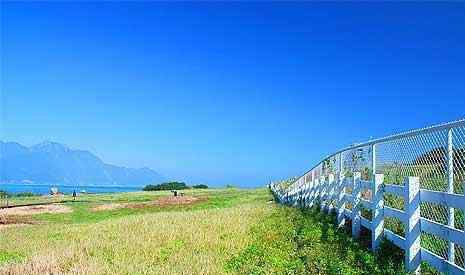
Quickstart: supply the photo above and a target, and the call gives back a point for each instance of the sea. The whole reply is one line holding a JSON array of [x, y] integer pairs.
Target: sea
[[42, 189]]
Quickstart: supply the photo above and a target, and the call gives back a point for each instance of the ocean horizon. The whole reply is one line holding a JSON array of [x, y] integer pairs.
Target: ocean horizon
[[43, 189]]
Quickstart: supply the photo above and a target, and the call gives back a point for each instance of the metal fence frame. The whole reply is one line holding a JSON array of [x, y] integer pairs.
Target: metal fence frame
[[334, 191]]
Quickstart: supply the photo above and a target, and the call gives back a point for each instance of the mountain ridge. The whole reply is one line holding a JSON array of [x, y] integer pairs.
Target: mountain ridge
[[48, 162]]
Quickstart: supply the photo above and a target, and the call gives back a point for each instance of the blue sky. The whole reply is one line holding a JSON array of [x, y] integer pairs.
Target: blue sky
[[225, 93]]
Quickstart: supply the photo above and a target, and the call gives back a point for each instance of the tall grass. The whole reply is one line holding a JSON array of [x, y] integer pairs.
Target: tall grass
[[181, 242], [293, 241], [232, 232]]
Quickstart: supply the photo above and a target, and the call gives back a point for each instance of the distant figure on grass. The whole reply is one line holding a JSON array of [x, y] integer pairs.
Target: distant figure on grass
[[74, 195]]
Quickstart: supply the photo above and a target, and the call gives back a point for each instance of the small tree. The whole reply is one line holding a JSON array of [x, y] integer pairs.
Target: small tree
[[174, 185], [200, 186]]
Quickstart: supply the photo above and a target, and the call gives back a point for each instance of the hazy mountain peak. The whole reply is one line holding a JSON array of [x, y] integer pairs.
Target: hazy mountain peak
[[11, 147], [50, 146], [55, 162]]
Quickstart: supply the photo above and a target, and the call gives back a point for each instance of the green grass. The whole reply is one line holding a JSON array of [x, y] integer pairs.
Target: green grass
[[293, 241], [152, 239], [230, 231]]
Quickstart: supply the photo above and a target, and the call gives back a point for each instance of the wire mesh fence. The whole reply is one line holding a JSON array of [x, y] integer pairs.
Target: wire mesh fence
[[435, 155]]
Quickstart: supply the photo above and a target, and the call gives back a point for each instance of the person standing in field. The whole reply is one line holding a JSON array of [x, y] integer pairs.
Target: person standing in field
[[74, 195]]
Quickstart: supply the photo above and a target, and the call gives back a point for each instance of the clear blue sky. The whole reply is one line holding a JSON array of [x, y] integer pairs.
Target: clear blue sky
[[227, 93]]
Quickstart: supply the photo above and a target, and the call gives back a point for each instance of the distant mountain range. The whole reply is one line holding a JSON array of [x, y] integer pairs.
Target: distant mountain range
[[51, 162]]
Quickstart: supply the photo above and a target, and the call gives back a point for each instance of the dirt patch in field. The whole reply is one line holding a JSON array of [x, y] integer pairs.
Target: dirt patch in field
[[168, 201], [164, 201], [109, 206], [34, 210], [172, 200]]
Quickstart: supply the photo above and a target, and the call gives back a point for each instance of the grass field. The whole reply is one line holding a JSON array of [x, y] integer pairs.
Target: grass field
[[227, 231]]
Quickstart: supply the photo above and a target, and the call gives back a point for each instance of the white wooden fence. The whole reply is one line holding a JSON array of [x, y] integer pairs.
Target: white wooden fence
[[349, 189]]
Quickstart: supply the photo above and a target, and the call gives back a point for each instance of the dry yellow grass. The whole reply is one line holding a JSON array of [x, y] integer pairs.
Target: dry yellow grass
[[188, 242]]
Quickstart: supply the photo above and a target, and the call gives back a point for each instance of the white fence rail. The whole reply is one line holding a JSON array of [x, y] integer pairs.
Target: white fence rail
[[408, 188]]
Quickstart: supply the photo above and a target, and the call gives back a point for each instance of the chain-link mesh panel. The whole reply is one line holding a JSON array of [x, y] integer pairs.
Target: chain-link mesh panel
[[366, 213], [349, 206], [435, 212], [329, 166], [393, 201], [332, 203], [338, 164], [357, 160], [459, 256], [459, 224], [367, 194], [366, 161], [422, 155], [459, 219], [395, 225], [349, 186], [434, 244], [346, 165], [317, 171]]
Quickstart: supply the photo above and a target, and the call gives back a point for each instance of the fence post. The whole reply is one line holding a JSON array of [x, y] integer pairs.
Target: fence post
[[340, 195], [296, 196], [309, 196], [317, 190], [306, 185], [325, 193], [377, 210], [290, 196], [341, 201], [309, 189], [312, 188], [450, 181], [303, 191], [412, 228], [356, 212], [330, 192], [293, 196]]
